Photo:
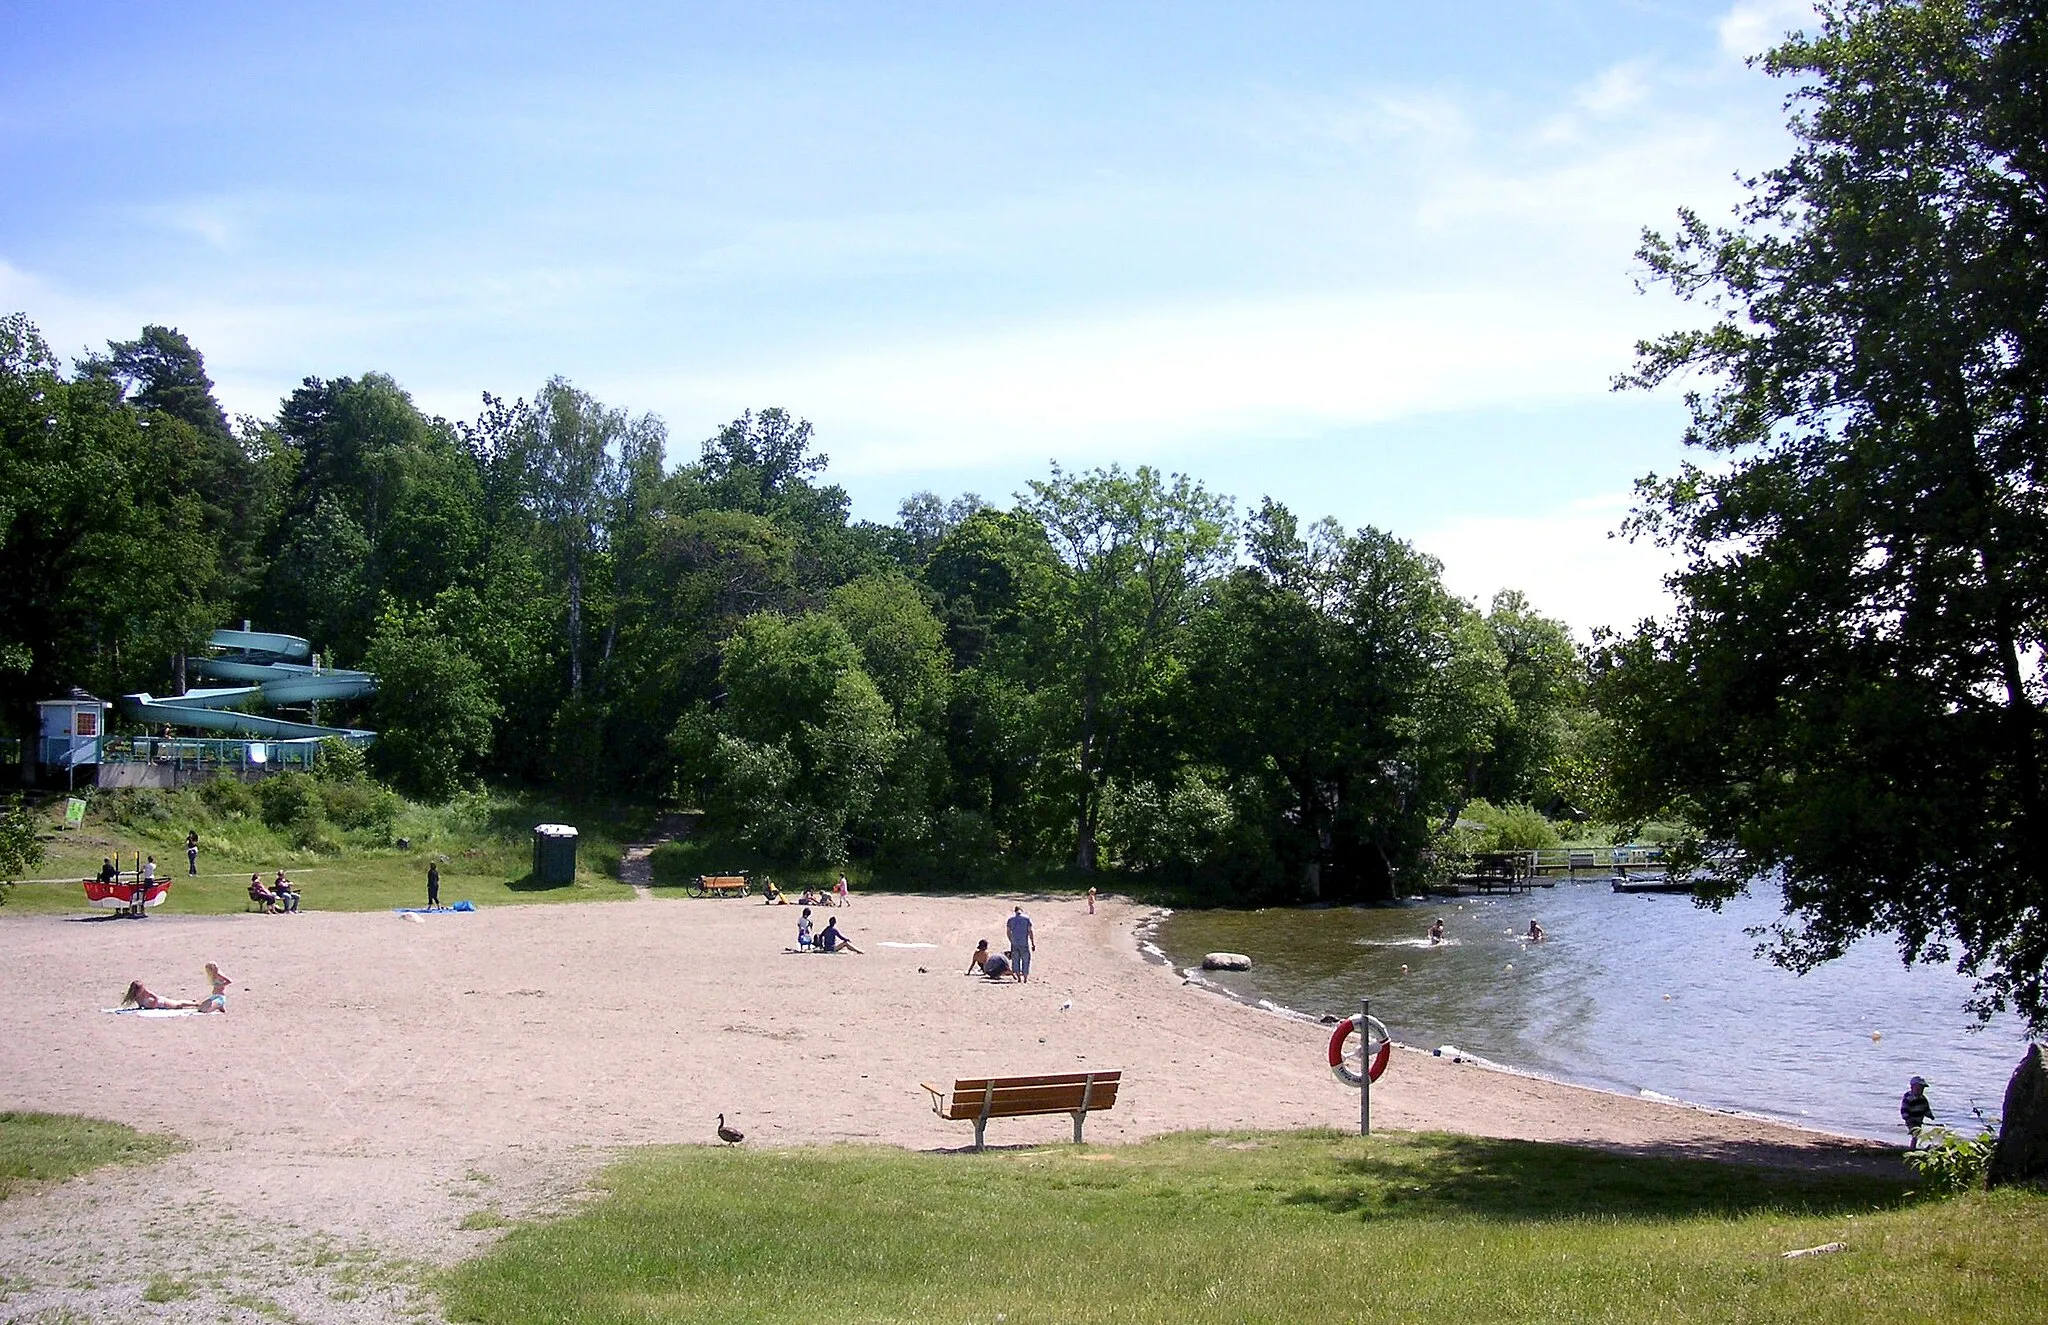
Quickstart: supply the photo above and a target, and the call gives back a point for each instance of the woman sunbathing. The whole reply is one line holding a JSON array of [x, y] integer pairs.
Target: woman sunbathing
[[139, 997]]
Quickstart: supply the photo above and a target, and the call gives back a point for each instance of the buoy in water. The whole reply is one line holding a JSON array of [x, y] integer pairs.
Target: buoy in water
[[1509, 967], [1226, 961], [1667, 998]]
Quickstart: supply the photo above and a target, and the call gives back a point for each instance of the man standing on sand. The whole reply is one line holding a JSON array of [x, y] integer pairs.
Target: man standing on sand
[[434, 883], [1022, 943]]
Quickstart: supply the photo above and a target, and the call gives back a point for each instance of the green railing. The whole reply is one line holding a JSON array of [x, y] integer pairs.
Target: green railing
[[207, 752]]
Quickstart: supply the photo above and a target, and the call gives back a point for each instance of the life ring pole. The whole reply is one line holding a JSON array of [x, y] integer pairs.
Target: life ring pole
[[1365, 1086]]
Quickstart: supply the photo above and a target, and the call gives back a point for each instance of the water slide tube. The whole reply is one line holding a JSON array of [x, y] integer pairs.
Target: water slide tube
[[258, 658]]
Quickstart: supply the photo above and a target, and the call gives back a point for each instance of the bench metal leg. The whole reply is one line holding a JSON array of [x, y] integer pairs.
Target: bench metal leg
[[980, 1124], [1079, 1114]]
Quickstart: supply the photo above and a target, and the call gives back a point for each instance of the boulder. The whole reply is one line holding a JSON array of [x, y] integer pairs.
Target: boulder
[[1226, 961], [2022, 1152]]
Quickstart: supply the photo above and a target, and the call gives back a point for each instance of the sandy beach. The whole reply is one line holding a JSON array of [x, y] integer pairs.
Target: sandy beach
[[377, 1078]]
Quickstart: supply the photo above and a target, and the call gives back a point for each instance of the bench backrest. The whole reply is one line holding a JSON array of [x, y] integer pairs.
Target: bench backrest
[[1016, 1096], [721, 881]]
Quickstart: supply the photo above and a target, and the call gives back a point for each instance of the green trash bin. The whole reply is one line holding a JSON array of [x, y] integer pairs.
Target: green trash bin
[[554, 853]]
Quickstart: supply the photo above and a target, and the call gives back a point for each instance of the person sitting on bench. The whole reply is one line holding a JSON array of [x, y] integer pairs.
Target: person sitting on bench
[[262, 896], [286, 895]]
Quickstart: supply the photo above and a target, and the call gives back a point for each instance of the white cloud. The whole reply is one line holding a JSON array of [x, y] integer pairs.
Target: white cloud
[[1754, 26], [1569, 562], [1086, 389], [1624, 85]]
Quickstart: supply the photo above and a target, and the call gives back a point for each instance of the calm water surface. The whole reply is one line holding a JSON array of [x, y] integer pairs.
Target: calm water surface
[[1631, 993]]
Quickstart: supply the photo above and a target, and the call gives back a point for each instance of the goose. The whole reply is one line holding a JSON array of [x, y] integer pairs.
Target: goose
[[732, 1136]]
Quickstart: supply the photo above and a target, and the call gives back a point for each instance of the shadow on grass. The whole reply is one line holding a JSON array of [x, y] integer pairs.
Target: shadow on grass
[[1484, 1178], [527, 883]]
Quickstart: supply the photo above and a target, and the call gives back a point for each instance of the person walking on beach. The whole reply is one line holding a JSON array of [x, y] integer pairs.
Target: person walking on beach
[[1091, 901], [192, 853], [1915, 1109], [841, 894], [1022, 943], [434, 883]]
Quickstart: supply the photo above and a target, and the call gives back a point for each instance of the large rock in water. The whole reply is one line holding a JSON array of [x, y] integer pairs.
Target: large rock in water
[[1226, 961], [2022, 1153]]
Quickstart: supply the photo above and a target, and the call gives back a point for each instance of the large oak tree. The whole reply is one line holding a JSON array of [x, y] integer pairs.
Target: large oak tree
[[1851, 690]]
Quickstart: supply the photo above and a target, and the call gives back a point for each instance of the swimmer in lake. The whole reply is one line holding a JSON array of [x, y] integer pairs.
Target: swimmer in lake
[[1436, 931], [1536, 934]]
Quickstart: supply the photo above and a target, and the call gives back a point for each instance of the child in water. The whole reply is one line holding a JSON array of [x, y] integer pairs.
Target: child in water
[[1436, 931]]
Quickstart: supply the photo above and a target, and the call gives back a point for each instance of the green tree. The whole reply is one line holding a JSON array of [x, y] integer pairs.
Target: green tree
[[112, 569], [433, 711], [1851, 689], [1130, 550], [794, 760], [19, 849]]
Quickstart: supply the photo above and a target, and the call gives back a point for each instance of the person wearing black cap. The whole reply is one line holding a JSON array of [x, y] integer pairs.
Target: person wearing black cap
[[1914, 1108]]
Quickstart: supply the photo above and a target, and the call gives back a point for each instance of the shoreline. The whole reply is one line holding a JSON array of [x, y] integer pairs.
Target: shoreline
[[378, 1078]]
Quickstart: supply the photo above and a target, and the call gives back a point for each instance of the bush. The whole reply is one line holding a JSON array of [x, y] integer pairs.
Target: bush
[[1507, 828], [230, 798], [290, 800], [360, 804], [139, 807], [1951, 1162]]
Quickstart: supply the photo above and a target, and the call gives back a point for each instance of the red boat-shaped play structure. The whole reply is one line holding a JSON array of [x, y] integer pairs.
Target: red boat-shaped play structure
[[129, 897]]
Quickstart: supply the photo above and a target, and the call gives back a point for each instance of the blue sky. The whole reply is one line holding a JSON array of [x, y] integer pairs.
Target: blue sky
[[1372, 259]]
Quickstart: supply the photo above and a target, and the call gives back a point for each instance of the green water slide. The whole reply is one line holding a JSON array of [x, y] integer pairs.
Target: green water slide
[[276, 672]]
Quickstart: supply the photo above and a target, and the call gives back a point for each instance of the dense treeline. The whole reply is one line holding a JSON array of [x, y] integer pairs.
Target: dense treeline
[[1120, 671]]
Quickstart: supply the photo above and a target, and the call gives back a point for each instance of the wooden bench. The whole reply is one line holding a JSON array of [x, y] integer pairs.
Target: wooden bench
[[978, 1099], [720, 885]]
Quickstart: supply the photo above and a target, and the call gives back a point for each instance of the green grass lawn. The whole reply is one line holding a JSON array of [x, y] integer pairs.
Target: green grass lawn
[[42, 1147], [483, 845], [1312, 1226]]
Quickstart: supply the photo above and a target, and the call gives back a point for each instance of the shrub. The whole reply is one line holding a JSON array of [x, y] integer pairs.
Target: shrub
[[338, 761], [139, 807], [230, 798], [1952, 1162], [359, 804], [289, 800]]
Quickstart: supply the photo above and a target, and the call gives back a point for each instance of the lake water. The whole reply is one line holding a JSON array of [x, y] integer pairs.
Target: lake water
[[1640, 994]]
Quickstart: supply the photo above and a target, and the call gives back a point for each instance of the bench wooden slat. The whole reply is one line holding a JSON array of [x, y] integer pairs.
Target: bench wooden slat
[[978, 1099]]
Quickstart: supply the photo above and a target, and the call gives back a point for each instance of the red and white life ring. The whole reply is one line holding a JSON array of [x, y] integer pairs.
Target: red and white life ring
[[1375, 1033]]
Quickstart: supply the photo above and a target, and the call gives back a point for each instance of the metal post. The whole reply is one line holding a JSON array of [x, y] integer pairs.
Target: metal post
[[1365, 1067]]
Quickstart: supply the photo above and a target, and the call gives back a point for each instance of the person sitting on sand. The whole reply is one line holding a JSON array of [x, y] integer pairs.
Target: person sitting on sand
[[770, 894], [979, 961], [834, 941], [287, 896], [1436, 931], [803, 931], [217, 1001], [262, 896], [997, 967], [1536, 934], [139, 997]]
